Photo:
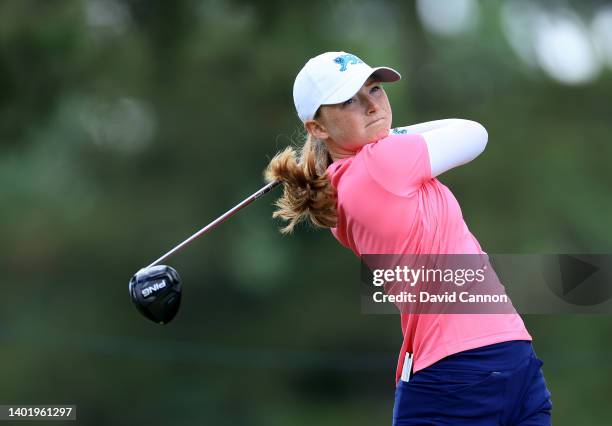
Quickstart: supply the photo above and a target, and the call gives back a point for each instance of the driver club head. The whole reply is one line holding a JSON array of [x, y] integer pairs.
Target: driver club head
[[156, 293]]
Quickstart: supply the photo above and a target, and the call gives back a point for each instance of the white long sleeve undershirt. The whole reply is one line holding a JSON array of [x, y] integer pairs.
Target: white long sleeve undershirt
[[451, 142]]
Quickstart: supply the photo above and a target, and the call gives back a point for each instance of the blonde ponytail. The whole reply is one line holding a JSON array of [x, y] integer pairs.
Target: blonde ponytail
[[307, 190]]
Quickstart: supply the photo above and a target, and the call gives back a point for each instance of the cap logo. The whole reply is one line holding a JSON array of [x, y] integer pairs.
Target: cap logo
[[346, 59]]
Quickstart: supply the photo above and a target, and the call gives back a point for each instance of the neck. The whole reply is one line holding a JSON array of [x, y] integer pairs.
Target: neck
[[338, 153]]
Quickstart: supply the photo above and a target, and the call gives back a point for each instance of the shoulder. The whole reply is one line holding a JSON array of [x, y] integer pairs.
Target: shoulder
[[397, 143], [398, 162]]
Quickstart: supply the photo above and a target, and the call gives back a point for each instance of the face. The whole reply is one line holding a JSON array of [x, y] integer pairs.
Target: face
[[362, 119]]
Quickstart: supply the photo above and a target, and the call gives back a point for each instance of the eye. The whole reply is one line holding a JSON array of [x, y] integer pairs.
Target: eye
[[375, 89], [348, 102]]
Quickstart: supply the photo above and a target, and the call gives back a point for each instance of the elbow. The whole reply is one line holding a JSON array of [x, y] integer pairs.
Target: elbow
[[480, 136], [484, 136]]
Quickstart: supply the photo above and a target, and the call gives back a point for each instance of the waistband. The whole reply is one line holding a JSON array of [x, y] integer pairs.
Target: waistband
[[502, 356]]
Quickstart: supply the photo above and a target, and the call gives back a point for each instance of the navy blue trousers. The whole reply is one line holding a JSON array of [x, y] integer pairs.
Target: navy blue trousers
[[500, 384]]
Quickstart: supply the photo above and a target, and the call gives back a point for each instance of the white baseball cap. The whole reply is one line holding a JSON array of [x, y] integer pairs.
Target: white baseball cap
[[332, 78]]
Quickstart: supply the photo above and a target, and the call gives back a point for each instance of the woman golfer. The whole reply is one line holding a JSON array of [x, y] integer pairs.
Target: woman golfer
[[377, 191]]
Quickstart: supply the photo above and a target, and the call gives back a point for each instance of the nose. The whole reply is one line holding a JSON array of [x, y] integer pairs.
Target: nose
[[371, 105]]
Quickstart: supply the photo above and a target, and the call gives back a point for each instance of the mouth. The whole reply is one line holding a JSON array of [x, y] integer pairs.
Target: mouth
[[375, 121]]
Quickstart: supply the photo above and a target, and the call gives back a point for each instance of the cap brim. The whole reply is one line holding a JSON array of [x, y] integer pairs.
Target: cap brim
[[386, 74], [348, 90]]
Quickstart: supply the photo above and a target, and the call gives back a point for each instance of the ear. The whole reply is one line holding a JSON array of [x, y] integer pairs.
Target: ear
[[316, 129]]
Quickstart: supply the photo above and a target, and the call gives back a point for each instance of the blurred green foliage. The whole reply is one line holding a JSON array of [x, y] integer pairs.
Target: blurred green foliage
[[127, 125]]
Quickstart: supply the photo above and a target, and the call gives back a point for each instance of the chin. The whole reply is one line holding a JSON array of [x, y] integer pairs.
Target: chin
[[381, 132]]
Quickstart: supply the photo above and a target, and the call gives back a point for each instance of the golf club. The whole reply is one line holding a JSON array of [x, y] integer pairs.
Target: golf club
[[156, 289]]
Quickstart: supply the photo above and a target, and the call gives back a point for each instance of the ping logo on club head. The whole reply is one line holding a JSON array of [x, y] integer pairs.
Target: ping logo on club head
[[346, 59], [147, 291]]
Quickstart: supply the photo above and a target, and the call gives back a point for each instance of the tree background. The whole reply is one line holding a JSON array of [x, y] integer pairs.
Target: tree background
[[125, 126]]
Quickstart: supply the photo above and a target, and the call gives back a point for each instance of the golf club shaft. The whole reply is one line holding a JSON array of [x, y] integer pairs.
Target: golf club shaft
[[218, 221]]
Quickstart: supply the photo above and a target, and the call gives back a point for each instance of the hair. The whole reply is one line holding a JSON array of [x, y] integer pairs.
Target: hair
[[307, 190]]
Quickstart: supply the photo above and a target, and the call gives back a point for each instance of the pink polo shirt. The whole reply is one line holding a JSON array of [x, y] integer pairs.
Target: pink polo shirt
[[388, 203]]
